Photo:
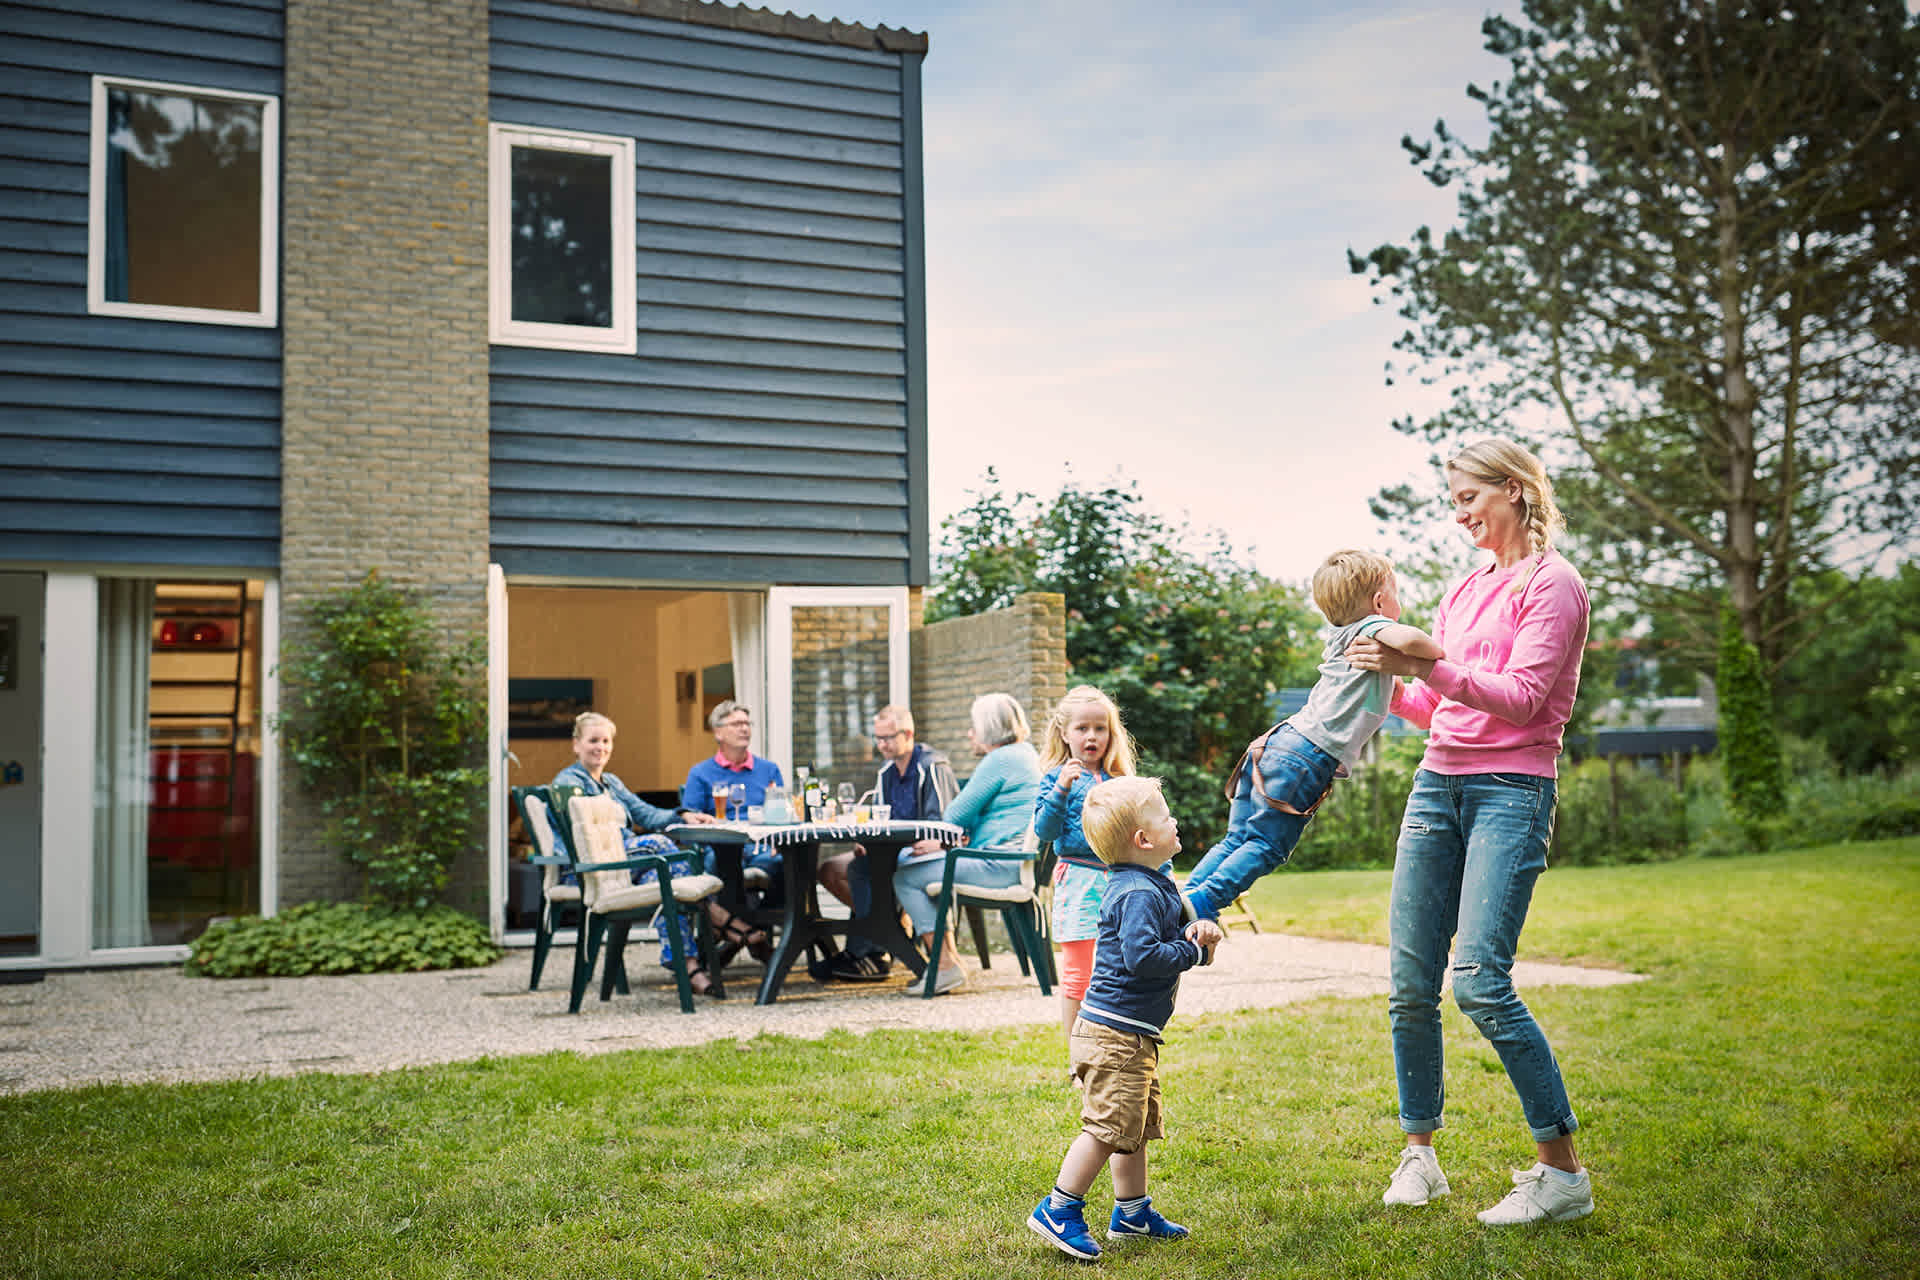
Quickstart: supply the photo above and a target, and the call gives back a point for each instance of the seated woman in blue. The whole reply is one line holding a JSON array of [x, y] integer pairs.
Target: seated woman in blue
[[592, 748], [995, 809]]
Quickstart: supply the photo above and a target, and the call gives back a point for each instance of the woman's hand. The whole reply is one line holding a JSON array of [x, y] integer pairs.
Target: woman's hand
[[927, 848], [1370, 655], [694, 818], [1069, 774]]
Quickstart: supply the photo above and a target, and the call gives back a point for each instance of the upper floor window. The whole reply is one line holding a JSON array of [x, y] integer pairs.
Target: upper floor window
[[561, 226], [184, 218]]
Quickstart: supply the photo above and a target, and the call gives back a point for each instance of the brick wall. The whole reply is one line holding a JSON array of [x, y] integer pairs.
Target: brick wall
[[384, 455], [1021, 650]]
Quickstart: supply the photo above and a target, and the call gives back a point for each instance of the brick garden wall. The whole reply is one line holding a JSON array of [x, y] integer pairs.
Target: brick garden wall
[[1021, 650], [384, 458]]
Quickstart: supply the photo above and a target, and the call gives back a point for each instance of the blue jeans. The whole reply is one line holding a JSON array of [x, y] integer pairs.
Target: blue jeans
[[1471, 847], [1260, 837], [910, 885]]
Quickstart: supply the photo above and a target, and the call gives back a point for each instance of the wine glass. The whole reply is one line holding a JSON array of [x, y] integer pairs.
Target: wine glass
[[844, 795]]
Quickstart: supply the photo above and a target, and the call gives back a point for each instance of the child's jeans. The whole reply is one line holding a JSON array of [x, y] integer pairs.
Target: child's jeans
[[1260, 837]]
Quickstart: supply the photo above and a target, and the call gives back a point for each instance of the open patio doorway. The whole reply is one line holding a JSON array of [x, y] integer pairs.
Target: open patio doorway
[[653, 661]]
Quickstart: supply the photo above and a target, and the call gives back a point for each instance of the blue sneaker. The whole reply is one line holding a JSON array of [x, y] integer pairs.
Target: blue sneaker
[[1064, 1229], [1148, 1226]]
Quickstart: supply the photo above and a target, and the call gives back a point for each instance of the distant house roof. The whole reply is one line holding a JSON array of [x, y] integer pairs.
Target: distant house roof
[[766, 22]]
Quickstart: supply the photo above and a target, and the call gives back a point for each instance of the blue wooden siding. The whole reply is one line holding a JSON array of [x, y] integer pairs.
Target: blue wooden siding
[[771, 427], [122, 441]]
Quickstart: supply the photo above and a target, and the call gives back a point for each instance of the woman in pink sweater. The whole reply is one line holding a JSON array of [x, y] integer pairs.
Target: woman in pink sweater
[[1474, 838]]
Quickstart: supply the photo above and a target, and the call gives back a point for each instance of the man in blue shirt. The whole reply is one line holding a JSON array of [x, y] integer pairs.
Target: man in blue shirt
[[919, 783]]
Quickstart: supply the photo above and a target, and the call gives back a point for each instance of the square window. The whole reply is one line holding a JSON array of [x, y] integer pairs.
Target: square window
[[561, 233], [184, 218]]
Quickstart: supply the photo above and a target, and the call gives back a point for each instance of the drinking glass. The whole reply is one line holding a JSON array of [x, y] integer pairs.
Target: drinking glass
[[844, 794], [720, 794]]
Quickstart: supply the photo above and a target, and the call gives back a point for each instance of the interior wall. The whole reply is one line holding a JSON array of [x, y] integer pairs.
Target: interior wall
[[635, 645]]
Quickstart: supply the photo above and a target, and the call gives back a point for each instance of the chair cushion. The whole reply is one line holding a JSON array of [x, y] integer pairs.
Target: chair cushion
[[638, 897], [1006, 893], [562, 892], [755, 878], [599, 835]]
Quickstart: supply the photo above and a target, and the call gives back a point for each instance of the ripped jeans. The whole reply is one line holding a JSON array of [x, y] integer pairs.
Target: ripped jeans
[[1471, 847]]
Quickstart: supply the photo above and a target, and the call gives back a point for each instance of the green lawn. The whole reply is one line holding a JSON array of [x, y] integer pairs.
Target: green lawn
[[1748, 1111]]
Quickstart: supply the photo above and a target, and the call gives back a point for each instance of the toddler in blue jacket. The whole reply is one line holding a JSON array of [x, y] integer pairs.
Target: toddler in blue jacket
[[1140, 954]]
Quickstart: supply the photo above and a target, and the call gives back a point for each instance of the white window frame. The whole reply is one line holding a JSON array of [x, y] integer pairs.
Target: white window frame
[[267, 314], [622, 338], [781, 602]]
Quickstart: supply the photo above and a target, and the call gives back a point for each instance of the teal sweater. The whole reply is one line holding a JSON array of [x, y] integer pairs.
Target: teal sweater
[[996, 806]]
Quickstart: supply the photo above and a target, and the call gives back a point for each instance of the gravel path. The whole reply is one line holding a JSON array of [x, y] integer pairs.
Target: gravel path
[[134, 1025]]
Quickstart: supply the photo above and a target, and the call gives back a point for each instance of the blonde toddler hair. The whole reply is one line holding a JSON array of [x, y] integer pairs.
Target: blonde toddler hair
[[1345, 583], [1119, 759], [1114, 810], [1497, 460]]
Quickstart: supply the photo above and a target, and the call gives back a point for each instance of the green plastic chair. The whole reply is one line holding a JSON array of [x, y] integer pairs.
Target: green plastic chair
[[612, 902], [536, 817], [1018, 905]]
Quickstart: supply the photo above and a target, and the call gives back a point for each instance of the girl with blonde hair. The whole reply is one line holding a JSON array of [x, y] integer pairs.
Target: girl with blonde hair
[[1085, 745]]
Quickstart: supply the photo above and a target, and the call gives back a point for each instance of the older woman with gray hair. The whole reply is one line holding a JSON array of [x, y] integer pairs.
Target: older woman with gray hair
[[995, 808]]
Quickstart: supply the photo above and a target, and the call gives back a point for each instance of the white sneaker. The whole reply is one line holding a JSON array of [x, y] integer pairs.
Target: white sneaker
[[1541, 1195], [943, 981], [1417, 1180]]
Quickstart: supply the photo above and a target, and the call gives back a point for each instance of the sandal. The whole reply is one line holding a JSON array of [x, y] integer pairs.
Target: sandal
[[703, 984], [737, 934]]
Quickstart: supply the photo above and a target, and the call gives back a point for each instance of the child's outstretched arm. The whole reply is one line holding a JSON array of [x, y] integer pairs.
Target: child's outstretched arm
[[1411, 641]]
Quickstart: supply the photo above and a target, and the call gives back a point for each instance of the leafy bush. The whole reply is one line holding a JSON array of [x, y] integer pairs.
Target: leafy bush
[[388, 730], [341, 937], [1821, 807], [1617, 813]]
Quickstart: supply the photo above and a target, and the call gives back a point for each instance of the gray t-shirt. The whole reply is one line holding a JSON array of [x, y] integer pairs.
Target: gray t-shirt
[[1347, 705]]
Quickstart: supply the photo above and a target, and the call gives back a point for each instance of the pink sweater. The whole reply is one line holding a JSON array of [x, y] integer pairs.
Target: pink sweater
[[1499, 700]]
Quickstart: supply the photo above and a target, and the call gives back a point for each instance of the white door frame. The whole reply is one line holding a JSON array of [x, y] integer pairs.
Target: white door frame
[[497, 752], [781, 602]]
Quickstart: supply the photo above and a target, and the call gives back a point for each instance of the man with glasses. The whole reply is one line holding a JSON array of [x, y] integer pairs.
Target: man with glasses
[[919, 783], [734, 765]]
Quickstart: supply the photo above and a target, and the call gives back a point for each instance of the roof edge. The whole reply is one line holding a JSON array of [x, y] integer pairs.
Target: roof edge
[[763, 21]]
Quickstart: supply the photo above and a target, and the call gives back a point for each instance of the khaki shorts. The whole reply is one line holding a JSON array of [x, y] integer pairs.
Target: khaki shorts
[[1119, 1075]]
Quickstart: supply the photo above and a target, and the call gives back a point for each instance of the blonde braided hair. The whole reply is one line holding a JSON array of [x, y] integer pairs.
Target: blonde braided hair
[[1496, 461]]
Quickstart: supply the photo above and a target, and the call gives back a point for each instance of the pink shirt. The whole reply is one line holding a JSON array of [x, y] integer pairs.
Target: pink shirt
[[1499, 701]]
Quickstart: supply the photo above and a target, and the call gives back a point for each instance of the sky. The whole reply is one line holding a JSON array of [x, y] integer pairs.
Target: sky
[[1137, 224]]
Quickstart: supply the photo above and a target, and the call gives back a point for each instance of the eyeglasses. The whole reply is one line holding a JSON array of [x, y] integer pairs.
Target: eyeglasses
[[736, 724], [888, 737]]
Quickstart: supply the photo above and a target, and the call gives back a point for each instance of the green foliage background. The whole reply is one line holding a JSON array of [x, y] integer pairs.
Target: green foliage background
[[1189, 642]]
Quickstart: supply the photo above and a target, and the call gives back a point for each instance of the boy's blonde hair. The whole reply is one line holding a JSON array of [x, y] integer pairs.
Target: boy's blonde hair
[[1119, 759], [1345, 583], [1114, 810]]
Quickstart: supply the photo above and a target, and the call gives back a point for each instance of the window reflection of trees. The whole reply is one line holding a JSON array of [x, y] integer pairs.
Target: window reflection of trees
[[562, 238], [184, 190]]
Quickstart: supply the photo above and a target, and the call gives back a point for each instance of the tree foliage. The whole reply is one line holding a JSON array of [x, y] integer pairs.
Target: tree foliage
[[1684, 267], [1189, 642], [388, 728], [1855, 687]]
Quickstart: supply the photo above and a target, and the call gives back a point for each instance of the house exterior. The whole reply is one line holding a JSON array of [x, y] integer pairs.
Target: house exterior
[[599, 323]]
